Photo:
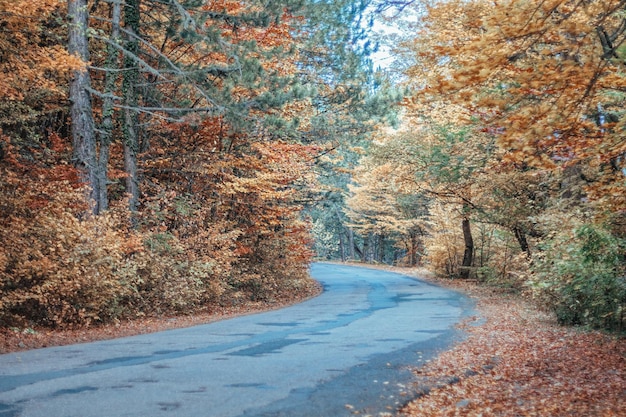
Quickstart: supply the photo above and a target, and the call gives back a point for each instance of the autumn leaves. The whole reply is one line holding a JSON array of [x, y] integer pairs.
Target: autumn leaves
[[515, 124], [192, 190]]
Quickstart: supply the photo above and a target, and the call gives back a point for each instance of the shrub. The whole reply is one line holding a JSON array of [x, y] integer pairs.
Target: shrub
[[58, 270], [197, 240], [166, 277], [581, 276]]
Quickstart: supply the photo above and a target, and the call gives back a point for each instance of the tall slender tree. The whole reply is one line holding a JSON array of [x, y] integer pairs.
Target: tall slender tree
[[83, 125], [108, 105], [132, 17]]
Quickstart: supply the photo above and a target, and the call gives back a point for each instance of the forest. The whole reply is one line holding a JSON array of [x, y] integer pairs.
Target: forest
[[168, 156]]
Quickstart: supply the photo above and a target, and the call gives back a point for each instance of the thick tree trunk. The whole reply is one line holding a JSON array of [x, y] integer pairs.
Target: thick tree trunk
[[468, 254], [107, 105], [131, 117], [83, 126]]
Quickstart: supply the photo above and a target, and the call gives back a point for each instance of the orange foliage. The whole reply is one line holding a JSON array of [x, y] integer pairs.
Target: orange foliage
[[32, 59], [219, 217], [59, 268], [55, 268], [245, 197]]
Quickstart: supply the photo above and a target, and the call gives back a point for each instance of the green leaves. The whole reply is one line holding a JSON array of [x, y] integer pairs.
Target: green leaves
[[581, 276]]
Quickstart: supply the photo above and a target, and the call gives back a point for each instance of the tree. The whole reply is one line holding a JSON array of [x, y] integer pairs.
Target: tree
[[83, 126], [350, 100], [33, 57], [207, 58], [107, 122], [376, 207], [130, 99], [33, 72], [213, 99], [438, 162], [544, 76], [515, 118]]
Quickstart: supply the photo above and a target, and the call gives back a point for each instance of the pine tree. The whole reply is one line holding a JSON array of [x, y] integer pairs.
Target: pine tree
[[83, 125]]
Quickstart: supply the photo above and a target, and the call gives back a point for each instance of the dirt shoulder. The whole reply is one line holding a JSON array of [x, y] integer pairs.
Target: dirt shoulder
[[517, 361]]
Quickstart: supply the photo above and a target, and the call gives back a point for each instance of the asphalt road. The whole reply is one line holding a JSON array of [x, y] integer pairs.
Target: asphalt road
[[345, 351]]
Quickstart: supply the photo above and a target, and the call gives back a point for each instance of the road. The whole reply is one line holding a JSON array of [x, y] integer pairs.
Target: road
[[346, 350]]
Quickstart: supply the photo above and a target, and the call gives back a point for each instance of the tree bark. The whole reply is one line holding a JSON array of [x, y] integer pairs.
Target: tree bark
[[342, 247], [381, 248], [520, 235], [468, 254], [351, 244], [83, 126], [366, 248], [130, 125], [108, 105], [414, 251]]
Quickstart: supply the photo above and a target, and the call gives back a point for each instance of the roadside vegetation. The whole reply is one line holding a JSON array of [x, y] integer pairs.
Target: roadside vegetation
[[156, 156], [508, 164], [506, 178], [163, 159]]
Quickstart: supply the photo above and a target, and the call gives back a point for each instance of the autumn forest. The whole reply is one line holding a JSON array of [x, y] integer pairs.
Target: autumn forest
[[168, 156]]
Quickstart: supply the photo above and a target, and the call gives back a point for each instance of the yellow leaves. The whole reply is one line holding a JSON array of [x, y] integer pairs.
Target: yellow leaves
[[493, 103], [613, 81], [210, 221], [532, 71], [271, 175], [373, 204], [63, 264]]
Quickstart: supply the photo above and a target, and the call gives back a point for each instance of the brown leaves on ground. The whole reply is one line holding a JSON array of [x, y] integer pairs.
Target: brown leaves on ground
[[517, 361]]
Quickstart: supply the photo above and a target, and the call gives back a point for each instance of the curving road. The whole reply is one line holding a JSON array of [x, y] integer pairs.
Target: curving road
[[346, 351]]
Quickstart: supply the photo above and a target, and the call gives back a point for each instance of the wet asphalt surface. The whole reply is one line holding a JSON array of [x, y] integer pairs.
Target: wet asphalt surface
[[348, 350]]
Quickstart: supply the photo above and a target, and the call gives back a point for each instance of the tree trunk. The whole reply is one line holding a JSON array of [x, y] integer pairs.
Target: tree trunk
[[342, 228], [131, 117], [107, 105], [521, 239], [381, 248], [414, 244], [468, 254], [366, 248], [342, 247], [83, 125], [358, 252], [351, 244]]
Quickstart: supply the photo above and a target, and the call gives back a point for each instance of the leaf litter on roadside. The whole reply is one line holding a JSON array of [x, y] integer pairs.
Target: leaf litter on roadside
[[519, 362]]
